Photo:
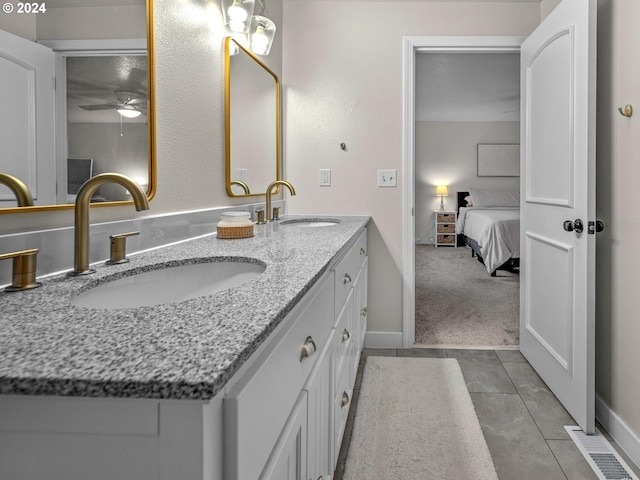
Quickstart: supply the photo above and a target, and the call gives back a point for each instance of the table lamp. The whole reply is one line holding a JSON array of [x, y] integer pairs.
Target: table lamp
[[443, 192]]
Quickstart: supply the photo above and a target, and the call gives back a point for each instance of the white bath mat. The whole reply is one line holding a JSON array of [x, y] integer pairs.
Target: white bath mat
[[415, 421]]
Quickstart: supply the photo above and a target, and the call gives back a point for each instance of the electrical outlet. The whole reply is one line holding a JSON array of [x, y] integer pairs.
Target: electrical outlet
[[241, 174], [325, 177], [387, 178]]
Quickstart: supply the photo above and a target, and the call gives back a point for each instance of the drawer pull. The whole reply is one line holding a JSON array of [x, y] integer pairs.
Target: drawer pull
[[308, 348], [362, 251], [346, 279], [345, 335], [345, 400], [363, 312]]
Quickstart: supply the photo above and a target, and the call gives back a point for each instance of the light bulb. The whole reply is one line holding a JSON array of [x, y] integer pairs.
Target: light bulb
[[237, 13], [259, 41], [129, 112]]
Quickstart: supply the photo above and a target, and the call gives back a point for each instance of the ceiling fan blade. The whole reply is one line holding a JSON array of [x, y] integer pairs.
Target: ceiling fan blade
[[98, 107]]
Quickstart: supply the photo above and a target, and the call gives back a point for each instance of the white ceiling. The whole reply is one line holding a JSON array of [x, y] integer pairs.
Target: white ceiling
[[95, 81], [472, 87]]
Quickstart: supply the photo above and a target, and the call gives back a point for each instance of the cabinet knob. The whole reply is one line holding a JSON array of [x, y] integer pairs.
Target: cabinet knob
[[308, 348], [346, 279], [345, 335], [362, 251], [363, 312], [345, 400]]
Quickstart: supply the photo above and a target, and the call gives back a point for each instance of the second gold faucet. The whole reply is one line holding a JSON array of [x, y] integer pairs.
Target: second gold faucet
[[270, 188]]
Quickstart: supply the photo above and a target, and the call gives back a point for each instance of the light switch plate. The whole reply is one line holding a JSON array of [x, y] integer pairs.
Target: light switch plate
[[387, 178], [325, 177]]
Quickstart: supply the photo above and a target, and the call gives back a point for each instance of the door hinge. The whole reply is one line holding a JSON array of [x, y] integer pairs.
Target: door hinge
[[595, 227]]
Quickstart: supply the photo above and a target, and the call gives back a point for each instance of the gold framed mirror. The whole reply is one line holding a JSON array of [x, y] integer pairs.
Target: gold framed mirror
[[101, 116], [252, 122]]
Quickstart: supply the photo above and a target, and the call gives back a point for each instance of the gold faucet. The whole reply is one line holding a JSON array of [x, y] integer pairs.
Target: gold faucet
[[242, 185], [83, 199], [269, 192], [19, 189]]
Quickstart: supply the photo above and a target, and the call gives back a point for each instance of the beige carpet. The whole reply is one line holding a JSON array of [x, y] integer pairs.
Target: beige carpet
[[459, 303], [415, 421]]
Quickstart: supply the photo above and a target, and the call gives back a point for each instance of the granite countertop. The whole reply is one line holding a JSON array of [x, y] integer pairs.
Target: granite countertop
[[182, 350]]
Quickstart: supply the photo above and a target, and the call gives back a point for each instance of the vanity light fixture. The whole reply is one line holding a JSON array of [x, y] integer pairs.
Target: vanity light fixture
[[237, 14], [443, 191], [129, 111], [242, 23]]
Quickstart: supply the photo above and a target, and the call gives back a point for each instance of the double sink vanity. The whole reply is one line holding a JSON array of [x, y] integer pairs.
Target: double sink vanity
[[206, 359]]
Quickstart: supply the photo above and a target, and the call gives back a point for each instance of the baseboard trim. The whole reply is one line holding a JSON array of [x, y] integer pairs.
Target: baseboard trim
[[626, 438], [383, 340]]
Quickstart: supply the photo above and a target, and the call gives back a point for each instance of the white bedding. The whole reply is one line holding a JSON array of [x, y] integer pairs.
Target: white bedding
[[496, 230]]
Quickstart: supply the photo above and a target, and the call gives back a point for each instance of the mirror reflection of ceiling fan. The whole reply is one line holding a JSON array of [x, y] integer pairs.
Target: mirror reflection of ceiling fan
[[128, 104]]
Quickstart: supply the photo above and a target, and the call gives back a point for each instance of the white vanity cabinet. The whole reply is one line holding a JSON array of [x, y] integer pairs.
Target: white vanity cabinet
[[258, 405], [285, 418], [281, 416], [349, 330]]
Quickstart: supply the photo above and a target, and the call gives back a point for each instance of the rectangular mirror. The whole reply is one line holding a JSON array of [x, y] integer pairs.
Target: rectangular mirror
[[252, 121], [99, 118]]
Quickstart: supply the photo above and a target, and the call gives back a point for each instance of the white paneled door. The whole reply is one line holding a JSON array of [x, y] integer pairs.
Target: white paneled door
[[27, 118], [558, 205]]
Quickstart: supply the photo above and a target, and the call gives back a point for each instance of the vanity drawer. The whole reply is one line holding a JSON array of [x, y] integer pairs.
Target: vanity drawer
[[257, 407], [342, 339], [360, 248], [345, 274]]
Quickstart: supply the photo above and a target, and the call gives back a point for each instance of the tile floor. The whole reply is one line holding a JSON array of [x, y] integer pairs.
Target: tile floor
[[521, 419]]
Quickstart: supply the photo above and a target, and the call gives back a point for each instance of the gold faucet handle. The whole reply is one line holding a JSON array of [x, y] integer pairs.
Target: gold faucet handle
[[260, 214], [118, 253], [24, 270], [276, 213]]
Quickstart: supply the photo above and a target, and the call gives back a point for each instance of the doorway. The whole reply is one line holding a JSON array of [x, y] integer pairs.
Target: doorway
[[414, 46], [467, 104]]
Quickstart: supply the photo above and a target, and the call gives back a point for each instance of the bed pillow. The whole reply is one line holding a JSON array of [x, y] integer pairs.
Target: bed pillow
[[469, 200], [494, 198]]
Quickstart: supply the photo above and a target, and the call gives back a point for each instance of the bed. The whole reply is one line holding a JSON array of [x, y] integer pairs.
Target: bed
[[491, 230]]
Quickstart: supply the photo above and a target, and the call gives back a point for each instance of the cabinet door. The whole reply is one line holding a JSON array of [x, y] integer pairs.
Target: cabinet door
[[288, 460], [319, 419]]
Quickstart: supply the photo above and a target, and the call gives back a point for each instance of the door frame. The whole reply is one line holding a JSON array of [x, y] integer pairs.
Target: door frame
[[411, 47]]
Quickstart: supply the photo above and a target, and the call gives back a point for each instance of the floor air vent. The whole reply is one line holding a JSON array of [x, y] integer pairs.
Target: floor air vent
[[604, 460]]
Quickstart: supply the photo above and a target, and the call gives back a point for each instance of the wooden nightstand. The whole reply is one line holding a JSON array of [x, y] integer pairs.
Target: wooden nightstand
[[445, 228]]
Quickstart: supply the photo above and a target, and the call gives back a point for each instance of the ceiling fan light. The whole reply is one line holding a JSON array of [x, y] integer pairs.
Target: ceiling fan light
[[129, 112]]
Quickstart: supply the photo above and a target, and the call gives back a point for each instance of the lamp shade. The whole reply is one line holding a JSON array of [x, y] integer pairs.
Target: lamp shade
[[237, 14], [442, 190], [261, 35], [129, 111]]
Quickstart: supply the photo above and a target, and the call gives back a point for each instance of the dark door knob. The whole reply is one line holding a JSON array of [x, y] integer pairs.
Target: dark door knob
[[575, 226]]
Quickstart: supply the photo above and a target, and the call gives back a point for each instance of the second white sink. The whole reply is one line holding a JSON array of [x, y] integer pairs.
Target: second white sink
[[171, 284], [310, 222]]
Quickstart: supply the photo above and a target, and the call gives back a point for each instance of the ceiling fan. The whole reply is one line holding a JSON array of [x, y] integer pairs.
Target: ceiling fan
[[128, 104]]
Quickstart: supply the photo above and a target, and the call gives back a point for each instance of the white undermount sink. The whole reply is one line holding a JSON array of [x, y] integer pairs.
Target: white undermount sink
[[310, 222], [170, 284]]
